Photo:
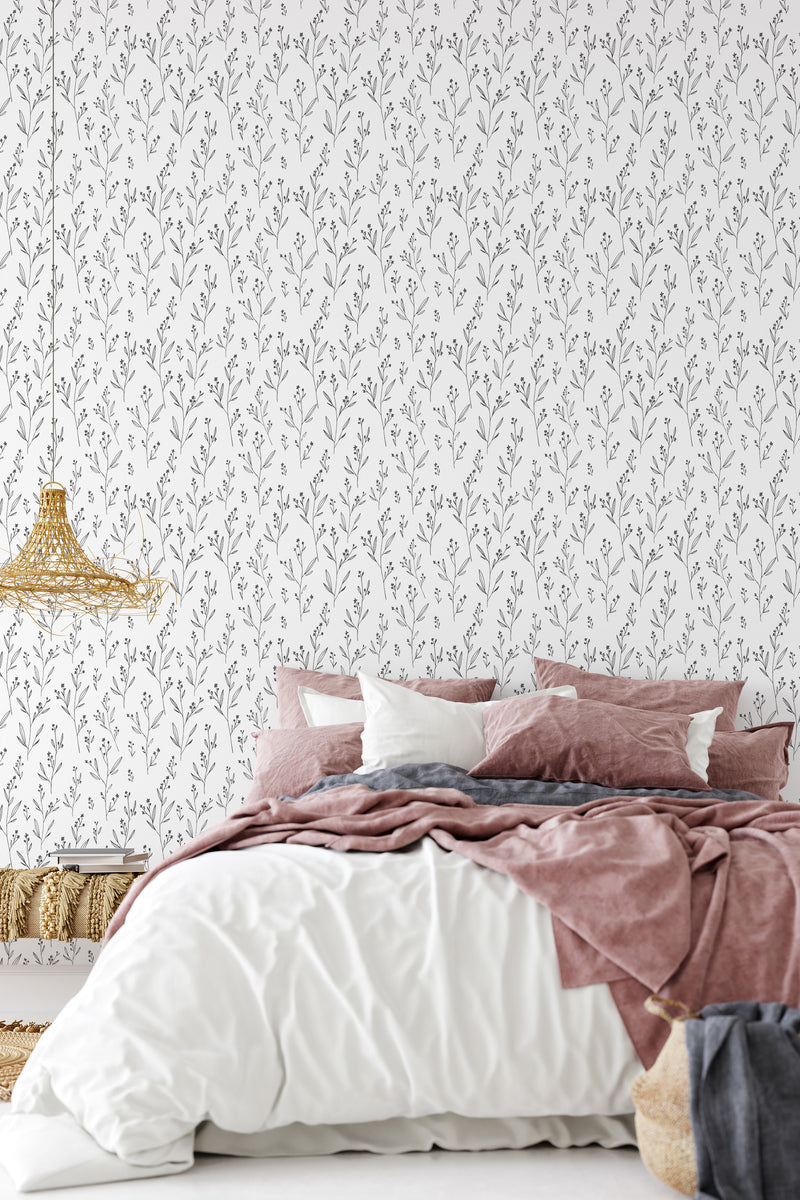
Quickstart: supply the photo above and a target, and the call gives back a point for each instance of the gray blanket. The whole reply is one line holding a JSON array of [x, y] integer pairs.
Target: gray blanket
[[505, 791], [744, 1075]]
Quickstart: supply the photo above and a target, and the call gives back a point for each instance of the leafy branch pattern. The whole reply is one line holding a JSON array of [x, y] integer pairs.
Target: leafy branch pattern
[[399, 334]]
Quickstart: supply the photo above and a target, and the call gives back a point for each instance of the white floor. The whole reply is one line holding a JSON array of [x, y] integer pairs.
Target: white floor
[[538, 1174]]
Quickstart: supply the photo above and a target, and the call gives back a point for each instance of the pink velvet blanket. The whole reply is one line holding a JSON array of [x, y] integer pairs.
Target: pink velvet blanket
[[695, 899]]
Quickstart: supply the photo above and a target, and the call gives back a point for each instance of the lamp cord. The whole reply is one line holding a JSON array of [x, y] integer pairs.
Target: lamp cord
[[53, 239]]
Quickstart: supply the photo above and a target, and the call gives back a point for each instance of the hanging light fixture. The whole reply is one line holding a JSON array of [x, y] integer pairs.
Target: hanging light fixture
[[52, 571]]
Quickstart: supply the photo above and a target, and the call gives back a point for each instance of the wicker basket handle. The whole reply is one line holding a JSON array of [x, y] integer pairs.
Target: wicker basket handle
[[669, 1010]]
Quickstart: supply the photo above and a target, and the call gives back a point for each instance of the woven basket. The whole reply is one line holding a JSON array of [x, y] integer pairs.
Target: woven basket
[[661, 1096], [17, 1039], [45, 902]]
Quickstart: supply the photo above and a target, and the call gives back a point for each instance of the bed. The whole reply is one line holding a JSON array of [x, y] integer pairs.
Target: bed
[[464, 970]]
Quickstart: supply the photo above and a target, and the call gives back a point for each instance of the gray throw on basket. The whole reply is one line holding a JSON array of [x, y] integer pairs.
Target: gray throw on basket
[[744, 1077]]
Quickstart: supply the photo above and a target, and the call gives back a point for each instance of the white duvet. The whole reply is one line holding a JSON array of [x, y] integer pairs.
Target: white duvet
[[257, 989]]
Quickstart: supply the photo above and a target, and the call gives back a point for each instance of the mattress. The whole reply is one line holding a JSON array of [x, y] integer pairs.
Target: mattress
[[404, 1135]]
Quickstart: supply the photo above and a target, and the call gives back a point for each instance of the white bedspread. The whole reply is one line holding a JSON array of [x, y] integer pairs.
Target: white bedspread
[[287, 984]]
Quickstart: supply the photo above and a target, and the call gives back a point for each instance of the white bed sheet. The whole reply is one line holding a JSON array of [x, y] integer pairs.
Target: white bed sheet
[[404, 1135], [290, 985]]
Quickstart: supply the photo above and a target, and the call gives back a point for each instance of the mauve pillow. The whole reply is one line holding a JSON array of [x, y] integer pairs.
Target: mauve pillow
[[289, 679], [290, 761], [657, 695], [587, 741], [751, 760]]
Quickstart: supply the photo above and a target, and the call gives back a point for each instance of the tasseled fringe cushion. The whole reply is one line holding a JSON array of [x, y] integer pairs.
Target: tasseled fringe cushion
[[58, 905], [17, 1039]]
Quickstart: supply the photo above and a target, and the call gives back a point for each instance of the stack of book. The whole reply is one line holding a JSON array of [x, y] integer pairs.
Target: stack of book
[[99, 860]]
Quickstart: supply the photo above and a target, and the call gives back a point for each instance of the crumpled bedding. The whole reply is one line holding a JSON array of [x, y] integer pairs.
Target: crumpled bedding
[[360, 987], [647, 893], [509, 791], [285, 985]]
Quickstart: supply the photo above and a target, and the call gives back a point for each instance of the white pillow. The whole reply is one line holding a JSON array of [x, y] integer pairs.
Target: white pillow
[[321, 709], [701, 731], [401, 726]]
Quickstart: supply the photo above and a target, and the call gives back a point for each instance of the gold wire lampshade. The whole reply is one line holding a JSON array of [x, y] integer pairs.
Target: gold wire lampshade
[[52, 571]]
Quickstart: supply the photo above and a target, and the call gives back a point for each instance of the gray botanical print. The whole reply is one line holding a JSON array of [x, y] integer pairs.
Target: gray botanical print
[[399, 334]]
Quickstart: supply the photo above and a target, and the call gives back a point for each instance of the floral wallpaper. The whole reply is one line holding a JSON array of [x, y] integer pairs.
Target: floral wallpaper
[[398, 334]]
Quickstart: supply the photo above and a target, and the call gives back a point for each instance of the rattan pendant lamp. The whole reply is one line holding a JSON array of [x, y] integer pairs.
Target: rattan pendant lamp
[[52, 572]]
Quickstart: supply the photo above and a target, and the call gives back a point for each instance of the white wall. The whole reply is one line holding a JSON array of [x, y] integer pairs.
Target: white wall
[[420, 337]]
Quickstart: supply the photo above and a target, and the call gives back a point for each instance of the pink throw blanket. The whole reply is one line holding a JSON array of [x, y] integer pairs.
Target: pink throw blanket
[[696, 899]]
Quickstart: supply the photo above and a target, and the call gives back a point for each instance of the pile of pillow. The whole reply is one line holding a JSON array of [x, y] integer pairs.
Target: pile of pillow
[[320, 721], [580, 726]]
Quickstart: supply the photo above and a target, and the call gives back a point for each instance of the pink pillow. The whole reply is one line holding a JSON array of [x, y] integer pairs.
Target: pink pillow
[[552, 737], [346, 687], [751, 760], [657, 695], [290, 761]]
